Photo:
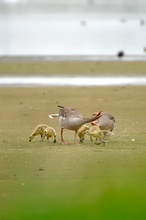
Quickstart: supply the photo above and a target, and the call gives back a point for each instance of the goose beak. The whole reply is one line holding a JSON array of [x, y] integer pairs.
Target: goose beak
[[98, 114]]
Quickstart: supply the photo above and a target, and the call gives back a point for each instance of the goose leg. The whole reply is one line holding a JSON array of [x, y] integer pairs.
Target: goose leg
[[75, 137], [62, 140]]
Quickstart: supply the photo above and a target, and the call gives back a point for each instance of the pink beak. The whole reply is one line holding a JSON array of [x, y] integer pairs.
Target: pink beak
[[98, 113]]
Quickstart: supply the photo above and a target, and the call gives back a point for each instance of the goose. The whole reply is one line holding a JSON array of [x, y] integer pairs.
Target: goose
[[71, 119], [105, 122]]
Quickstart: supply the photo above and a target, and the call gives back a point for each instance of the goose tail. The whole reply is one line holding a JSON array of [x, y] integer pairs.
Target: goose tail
[[53, 115], [60, 106]]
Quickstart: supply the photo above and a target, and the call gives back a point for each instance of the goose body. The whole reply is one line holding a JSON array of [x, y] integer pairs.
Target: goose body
[[71, 119], [105, 122]]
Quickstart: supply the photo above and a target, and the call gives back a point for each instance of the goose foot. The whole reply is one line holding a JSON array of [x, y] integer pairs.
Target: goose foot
[[64, 142]]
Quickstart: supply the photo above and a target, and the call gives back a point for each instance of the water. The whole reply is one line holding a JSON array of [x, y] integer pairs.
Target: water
[[71, 34], [72, 81]]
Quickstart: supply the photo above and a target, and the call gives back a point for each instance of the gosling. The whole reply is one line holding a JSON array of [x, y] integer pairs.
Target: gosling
[[100, 135], [81, 132], [50, 132], [39, 130]]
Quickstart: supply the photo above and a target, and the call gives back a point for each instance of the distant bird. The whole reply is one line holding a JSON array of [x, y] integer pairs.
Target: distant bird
[[71, 119], [120, 54], [105, 122]]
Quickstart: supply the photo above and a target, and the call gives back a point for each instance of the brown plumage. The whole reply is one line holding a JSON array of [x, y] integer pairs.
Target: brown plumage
[[71, 119]]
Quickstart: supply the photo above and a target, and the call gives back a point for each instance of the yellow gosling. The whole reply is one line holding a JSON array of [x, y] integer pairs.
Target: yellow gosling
[[100, 135], [82, 131], [39, 130], [49, 133]]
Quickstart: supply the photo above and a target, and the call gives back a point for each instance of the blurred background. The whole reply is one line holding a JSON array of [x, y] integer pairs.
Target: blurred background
[[73, 27]]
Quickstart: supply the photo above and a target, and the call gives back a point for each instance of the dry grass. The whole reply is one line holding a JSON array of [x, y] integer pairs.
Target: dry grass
[[73, 68]]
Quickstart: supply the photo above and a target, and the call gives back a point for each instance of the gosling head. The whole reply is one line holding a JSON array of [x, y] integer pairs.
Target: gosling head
[[30, 138]]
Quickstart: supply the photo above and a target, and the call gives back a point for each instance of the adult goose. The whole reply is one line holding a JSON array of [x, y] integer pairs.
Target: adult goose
[[105, 122], [71, 119]]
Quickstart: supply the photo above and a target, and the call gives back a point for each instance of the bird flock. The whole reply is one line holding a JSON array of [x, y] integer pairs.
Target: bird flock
[[102, 125]]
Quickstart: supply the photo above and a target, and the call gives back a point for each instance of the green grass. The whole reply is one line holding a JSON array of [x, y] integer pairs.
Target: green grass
[[41, 180]]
